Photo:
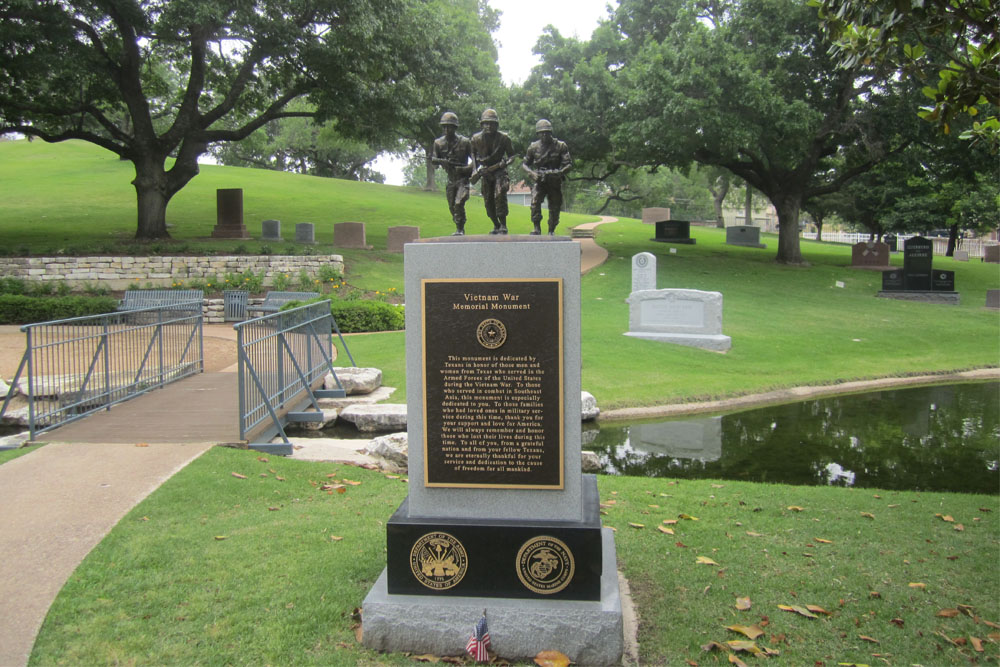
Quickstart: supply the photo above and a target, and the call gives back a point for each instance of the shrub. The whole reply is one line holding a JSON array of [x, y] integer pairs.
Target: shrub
[[361, 316], [12, 285], [18, 309]]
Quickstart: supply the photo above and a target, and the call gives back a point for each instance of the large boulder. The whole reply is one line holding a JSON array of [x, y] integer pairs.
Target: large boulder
[[355, 380], [4, 388], [392, 448], [375, 418], [16, 416], [591, 461], [588, 405], [329, 416]]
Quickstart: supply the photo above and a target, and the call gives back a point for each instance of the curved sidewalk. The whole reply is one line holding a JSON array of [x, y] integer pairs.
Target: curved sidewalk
[[591, 254]]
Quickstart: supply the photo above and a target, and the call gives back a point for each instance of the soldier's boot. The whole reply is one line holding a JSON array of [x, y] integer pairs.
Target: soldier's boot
[[459, 229], [503, 226], [496, 227], [552, 227]]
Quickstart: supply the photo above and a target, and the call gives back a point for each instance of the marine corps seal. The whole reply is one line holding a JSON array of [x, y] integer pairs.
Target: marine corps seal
[[491, 333], [438, 561], [545, 565]]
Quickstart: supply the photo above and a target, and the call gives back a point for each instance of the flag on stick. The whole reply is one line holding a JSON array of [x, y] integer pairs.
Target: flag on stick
[[479, 642]]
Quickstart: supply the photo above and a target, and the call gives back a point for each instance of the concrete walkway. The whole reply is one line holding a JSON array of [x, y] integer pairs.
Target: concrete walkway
[[591, 254]]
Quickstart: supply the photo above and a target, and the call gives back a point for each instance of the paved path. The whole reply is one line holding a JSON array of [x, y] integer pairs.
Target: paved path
[[591, 254]]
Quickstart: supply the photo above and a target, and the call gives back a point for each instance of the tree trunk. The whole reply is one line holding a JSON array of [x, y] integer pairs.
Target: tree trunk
[[718, 196], [787, 206], [749, 206], [429, 186], [952, 240], [819, 230], [153, 195]]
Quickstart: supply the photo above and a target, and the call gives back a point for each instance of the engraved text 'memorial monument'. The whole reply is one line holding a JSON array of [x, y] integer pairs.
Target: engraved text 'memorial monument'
[[498, 515]]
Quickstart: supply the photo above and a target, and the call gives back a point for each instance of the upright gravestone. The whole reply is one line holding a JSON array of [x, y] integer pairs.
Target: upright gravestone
[[643, 271], [991, 254], [892, 280], [743, 235], [961, 255], [674, 231], [498, 516], [655, 214], [993, 299], [943, 281], [229, 214], [349, 235], [681, 316], [870, 255], [305, 232], [892, 241], [270, 230], [918, 257], [400, 236]]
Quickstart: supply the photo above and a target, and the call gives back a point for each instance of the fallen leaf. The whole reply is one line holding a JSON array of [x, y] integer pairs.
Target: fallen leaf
[[680, 545], [898, 621], [262, 459], [427, 657], [711, 646], [868, 515], [946, 517], [959, 527], [802, 611], [874, 595], [733, 659], [331, 487], [817, 610], [743, 604], [351, 482], [636, 525], [273, 509], [358, 632], [985, 509], [866, 638], [896, 505], [753, 534], [551, 659], [741, 645], [687, 516], [977, 643], [751, 631], [221, 537], [336, 538], [947, 613], [655, 506], [917, 585], [796, 508], [239, 476], [664, 529], [280, 479], [670, 522], [822, 541], [705, 560], [992, 624]]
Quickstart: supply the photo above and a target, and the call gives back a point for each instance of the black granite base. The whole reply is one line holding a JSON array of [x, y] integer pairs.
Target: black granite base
[[558, 560], [678, 241]]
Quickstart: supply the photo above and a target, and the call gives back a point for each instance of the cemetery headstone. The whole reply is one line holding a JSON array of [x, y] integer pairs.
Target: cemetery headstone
[[229, 214], [991, 253], [643, 271], [962, 255], [349, 235], [892, 280], [993, 298], [270, 230], [870, 255], [655, 214], [918, 257], [743, 235], [681, 316], [498, 517], [943, 281], [305, 232], [674, 231], [400, 236], [892, 241]]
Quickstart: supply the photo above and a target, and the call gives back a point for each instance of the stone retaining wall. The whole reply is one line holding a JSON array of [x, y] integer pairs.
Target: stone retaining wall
[[118, 273]]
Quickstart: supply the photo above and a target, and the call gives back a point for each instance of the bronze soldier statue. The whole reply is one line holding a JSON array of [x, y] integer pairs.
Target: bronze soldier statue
[[492, 153], [547, 161], [454, 152]]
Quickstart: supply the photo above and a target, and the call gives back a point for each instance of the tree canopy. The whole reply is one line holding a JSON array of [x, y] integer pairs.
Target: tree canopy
[[155, 79]]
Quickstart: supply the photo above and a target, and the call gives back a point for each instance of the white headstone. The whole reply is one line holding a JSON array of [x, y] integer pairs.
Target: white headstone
[[683, 316], [643, 271]]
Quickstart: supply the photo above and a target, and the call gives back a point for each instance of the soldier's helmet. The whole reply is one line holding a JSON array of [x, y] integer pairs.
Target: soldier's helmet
[[449, 118], [489, 116], [543, 126]]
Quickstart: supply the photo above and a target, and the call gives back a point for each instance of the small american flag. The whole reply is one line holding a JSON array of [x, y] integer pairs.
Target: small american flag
[[479, 642]]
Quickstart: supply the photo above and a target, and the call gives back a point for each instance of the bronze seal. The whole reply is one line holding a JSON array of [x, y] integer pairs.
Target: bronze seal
[[545, 565], [438, 561], [491, 333]]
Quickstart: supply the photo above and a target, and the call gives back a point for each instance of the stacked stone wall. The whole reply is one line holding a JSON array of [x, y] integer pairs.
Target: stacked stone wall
[[118, 273]]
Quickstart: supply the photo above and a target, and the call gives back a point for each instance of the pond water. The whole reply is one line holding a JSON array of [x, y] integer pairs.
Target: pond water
[[939, 438]]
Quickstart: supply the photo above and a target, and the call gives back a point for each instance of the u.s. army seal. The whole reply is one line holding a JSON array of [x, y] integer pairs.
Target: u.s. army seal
[[545, 565], [438, 561]]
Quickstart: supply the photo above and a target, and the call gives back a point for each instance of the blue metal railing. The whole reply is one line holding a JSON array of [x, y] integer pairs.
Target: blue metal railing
[[73, 367], [283, 359]]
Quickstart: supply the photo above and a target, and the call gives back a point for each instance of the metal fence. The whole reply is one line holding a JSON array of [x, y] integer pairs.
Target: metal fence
[[283, 359], [77, 366]]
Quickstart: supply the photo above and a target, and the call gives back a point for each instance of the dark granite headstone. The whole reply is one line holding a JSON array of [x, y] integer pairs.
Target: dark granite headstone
[[918, 257], [943, 281], [892, 281], [674, 231], [229, 214], [892, 241]]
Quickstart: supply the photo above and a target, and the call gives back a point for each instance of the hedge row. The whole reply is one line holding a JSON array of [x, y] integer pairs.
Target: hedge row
[[17, 309], [359, 316]]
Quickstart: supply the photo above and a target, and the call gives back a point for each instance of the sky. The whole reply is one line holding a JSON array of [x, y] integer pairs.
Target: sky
[[521, 23]]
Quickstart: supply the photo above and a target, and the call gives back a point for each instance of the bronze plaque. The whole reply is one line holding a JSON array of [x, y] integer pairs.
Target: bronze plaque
[[493, 383]]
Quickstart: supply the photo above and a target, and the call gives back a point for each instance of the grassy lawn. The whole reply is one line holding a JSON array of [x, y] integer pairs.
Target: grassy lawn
[[214, 569]]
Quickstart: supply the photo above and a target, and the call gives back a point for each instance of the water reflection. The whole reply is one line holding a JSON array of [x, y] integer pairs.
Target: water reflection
[[944, 438]]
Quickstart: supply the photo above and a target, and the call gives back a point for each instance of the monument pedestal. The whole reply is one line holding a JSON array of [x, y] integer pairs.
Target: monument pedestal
[[498, 516]]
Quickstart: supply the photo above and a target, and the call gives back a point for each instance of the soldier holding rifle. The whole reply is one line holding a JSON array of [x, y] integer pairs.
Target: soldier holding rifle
[[453, 152], [547, 161], [492, 153]]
